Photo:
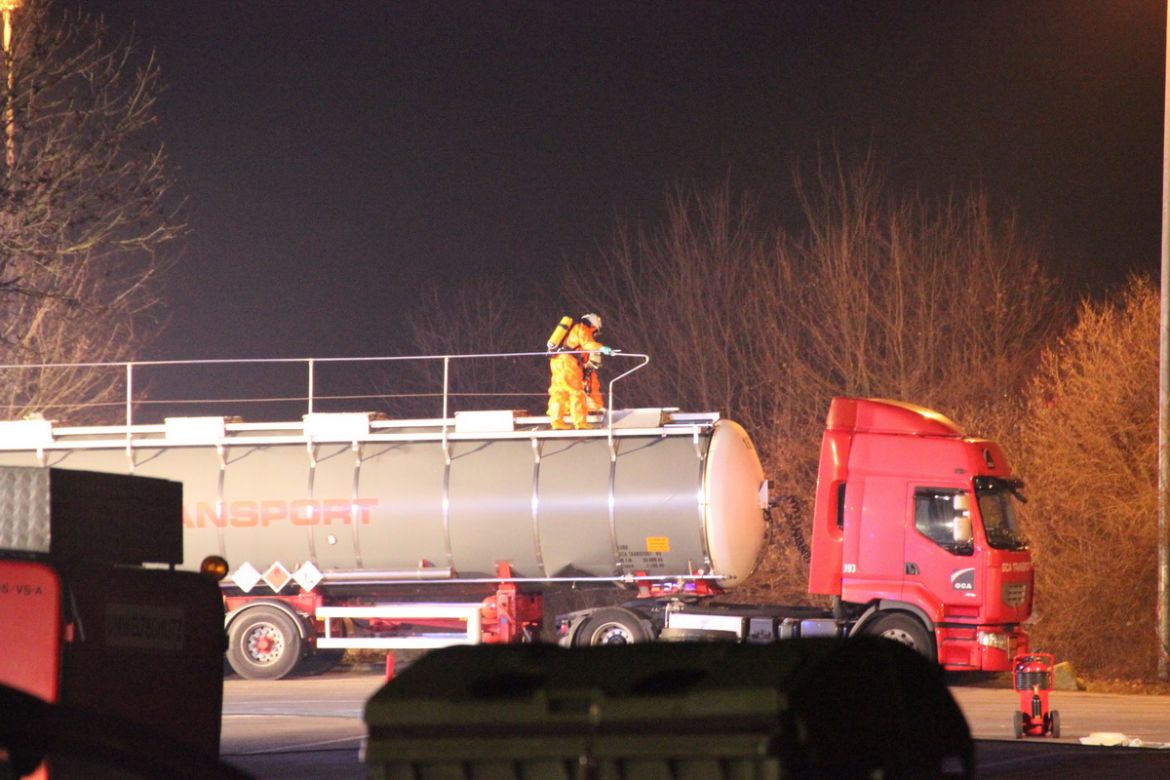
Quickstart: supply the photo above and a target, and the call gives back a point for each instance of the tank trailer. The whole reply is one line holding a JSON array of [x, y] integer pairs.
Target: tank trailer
[[349, 530]]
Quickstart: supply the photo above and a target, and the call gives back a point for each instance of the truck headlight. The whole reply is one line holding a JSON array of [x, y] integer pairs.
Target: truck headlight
[[994, 639]]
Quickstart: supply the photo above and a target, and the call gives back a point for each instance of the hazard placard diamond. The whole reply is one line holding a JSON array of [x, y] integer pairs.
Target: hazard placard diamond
[[246, 577], [277, 577], [307, 576]]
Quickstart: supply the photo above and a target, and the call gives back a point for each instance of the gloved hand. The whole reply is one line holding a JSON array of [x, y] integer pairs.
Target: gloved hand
[[607, 351]]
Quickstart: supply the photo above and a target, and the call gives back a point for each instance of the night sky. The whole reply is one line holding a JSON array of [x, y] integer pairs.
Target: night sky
[[337, 156]]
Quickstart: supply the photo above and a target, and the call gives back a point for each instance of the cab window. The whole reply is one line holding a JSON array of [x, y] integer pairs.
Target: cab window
[[943, 515]]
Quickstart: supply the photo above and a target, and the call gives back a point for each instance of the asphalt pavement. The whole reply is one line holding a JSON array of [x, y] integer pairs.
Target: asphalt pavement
[[312, 728]]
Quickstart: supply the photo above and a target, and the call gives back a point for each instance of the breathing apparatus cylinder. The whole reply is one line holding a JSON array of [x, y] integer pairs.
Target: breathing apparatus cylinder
[[559, 332]]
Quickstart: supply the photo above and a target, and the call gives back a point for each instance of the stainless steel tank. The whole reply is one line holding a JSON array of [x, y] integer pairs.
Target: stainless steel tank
[[555, 508]]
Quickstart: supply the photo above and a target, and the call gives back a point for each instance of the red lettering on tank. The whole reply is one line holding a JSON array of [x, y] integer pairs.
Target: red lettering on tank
[[247, 513], [271, 511], [303, 512], [201, 514], [335, 510], [243, 514], [363, 506]]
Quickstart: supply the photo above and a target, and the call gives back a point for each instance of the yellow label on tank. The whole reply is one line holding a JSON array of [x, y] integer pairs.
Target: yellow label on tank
[[657, 544]]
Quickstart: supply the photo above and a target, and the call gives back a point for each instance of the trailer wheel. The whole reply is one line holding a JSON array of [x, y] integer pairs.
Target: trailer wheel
[[611, 626], [264, 644], [903, 628]]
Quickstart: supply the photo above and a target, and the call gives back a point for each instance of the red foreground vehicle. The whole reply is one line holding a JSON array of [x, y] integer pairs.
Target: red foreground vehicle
[[108, 655]]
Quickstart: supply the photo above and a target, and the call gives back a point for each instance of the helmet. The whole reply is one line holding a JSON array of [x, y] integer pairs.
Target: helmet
[[592, 320]]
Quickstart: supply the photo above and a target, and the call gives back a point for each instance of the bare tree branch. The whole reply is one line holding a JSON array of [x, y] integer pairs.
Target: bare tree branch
[[85, 211], [484, 315], [940, 304], [1091, 464]]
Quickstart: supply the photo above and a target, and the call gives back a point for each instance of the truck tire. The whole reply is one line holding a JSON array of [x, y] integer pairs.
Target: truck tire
[[264, 644], [904, 628], [611, 626]]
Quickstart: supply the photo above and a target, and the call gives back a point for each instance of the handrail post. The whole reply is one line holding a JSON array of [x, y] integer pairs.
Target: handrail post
[[623, 375], [129, 396], [446, 442], [609, 398], [311, 388], [446, 380]]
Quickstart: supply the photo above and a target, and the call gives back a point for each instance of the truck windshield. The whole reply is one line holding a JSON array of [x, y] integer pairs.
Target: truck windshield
[[996, 498]]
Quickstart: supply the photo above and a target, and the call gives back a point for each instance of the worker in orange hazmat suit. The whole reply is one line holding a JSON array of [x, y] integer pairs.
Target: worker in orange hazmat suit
[[570, 354]]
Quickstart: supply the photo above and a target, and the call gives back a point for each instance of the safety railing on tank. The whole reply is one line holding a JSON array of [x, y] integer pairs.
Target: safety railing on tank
[[135, 399]]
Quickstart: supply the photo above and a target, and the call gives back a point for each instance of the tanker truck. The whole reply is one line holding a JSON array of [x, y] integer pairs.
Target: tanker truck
[[356, 529]]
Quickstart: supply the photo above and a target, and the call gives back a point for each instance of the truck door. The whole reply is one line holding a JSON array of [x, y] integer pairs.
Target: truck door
[[940, 561], [875, 526]]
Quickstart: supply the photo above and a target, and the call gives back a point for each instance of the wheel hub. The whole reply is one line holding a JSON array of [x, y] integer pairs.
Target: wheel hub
[[265, 644], [900, 635], [613, 635]]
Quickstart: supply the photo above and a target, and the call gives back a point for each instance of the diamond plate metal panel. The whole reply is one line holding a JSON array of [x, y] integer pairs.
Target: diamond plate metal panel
[[24, 510]]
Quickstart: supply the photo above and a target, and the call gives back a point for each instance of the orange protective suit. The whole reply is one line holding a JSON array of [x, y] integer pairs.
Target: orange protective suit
[[593, 400], [566, 389]]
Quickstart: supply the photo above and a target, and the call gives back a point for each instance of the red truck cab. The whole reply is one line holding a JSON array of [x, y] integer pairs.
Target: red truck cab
[[915, 534]]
